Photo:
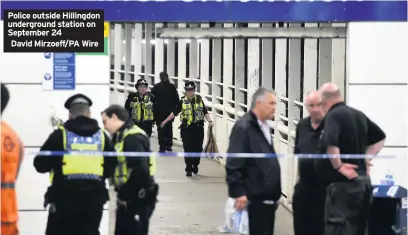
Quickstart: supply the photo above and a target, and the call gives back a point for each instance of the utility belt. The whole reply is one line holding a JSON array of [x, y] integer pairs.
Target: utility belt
[[145, 195], [142, 121], [198, 124]]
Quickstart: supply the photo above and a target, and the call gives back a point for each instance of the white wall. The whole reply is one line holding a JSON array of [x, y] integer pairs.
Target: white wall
[[377, 59], [29, 110]]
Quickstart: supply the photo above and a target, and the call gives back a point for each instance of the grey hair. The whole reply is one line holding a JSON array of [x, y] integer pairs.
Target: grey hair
[[260, 94], [79, 110]]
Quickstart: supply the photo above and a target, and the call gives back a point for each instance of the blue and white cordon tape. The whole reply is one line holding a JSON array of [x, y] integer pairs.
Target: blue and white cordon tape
[[202, 154]]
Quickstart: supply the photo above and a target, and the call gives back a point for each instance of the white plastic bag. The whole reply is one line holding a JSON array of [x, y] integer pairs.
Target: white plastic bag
[[235, 221]]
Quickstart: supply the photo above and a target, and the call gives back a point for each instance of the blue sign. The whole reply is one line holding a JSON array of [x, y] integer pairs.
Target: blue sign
[[64, 71], [230, 11], [47, 55]]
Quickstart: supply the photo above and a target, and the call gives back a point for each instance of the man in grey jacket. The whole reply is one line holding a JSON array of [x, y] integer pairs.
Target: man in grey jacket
[[255, 183]]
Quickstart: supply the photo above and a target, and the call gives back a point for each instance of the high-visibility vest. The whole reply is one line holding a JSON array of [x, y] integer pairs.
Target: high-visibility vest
[[145, 104], [122, 172], [12, 152], [82, 166], [187, 110]]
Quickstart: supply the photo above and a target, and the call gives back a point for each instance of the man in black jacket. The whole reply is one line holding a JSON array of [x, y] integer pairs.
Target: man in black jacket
[[133, 178], [255, 183], [78, 191], [347, 131], [308, 196], [167, 99]]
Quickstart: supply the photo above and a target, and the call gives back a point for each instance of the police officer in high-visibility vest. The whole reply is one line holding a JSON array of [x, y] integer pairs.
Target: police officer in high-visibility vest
[[193, 113], [12, 152], [78, 190], [141, 106], [133, 178]]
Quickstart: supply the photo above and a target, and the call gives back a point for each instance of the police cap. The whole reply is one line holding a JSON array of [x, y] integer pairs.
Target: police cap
[[77, 99], [141, 81], [189, 85]]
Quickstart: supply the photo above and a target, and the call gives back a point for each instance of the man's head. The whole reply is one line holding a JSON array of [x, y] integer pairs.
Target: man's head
[[314, 106], [77, 110], [164, 77], [330, 95], [264, 103], [78, 105], [141, 86], [190, 87], [114, 117], [5, 97]]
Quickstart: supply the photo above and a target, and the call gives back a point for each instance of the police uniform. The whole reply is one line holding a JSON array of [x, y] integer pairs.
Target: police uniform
[[141, 108], [192, 116], [134, 182], [77, 192]]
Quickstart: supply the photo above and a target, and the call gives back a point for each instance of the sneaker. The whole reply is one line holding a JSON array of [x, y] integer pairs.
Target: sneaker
[[195, 170]]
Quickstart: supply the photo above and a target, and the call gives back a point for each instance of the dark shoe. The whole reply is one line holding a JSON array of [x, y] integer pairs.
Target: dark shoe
[[169, 150], [188, 174], [195, 170], [162, 151]]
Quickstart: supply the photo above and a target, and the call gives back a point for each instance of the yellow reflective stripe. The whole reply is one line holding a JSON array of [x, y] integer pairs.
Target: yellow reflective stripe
[[152, 162]]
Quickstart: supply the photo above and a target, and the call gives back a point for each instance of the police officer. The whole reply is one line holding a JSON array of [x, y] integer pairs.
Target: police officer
[[141, 107], [193, 112], [133, 178], [77, 190]]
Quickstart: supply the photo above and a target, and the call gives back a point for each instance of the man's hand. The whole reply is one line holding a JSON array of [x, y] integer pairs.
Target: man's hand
[[162, 124], [369, 164], [240, 203], [348, 170]]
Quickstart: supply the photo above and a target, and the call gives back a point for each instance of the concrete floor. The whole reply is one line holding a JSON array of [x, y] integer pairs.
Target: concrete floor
[[195, 205]]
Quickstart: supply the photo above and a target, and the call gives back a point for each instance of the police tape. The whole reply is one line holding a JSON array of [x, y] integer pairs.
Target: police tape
[[205, 155]]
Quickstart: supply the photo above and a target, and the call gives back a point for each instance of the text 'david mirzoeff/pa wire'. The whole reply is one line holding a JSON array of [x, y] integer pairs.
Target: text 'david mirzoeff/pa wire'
[[53, 31]]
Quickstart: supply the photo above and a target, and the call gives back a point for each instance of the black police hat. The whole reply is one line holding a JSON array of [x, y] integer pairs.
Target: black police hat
[[141, 81], [189, 85], [77, 99]]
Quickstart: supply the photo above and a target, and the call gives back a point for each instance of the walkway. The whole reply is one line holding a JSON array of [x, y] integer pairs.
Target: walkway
[[195, 205]]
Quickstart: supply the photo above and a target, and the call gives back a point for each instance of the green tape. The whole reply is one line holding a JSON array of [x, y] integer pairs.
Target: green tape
[[105, 51]]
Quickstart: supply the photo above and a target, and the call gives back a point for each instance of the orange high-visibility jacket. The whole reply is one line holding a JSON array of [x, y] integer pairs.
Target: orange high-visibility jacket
[[12, 151]]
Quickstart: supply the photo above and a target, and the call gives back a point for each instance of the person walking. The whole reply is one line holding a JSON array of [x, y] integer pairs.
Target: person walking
[[167, 99], [141, 107], [193, 113], [349, 191], [255, 183]]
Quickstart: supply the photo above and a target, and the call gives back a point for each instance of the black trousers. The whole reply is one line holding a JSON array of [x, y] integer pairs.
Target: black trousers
[[133, 219], [146, 126], [261, 218], [347, 207], [75, 218], [165, 135], [193, 138], [308, 209]]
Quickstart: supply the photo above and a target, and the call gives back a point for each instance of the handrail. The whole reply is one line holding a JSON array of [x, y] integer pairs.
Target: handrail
[[128, 86]]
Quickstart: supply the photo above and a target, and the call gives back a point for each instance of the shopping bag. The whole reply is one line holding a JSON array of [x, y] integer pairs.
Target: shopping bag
[[235, 221]]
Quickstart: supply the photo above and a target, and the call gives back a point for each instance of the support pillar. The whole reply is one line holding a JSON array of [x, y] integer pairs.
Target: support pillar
[[158, 56], [267, 60], [253, 65], [148, 51]]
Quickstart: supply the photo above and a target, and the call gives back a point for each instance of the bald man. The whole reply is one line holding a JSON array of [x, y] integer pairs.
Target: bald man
[[308, 197], [346, 131]]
